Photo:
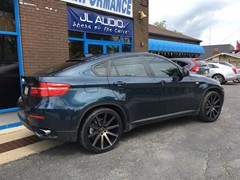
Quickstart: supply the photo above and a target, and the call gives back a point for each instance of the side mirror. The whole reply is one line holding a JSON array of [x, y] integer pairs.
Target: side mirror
[[185, 72]]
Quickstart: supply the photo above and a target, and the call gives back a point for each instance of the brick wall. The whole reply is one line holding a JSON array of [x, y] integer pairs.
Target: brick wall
[[44, 33], [140, 26]]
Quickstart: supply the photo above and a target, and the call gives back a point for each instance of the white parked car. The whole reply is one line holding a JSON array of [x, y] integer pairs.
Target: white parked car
[[222, 73], [238, 75]]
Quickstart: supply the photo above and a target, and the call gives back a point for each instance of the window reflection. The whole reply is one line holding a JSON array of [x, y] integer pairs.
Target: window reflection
[[112, 49], [163, 68], [7, 20], [75, 34], [132, 66], [126, 48], [76, 49], [103, 37], [95, 49], [9, 72]]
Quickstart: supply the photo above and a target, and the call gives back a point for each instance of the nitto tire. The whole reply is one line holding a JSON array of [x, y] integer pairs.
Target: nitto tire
[[219, 78], [211, 107], [101, 130]]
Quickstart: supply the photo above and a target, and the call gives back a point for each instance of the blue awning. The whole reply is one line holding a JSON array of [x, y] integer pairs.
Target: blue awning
[[169, 46]]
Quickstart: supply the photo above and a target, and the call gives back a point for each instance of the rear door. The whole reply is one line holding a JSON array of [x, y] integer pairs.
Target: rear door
[[135, 89]]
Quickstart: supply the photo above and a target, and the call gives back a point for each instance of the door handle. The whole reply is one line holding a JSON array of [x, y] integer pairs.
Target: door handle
[[119, 83]]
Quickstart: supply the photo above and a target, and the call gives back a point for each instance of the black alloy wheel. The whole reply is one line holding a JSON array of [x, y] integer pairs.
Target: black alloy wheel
[[101, 130], [219, 78], [211, 107]]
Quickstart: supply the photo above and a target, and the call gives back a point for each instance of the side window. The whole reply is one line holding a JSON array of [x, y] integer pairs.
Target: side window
[[182, 64], [212, 66], [131, 66], [162, 68], [100, 69]]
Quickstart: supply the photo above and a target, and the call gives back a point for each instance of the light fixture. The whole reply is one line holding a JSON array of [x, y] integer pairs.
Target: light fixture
[[142, 15]]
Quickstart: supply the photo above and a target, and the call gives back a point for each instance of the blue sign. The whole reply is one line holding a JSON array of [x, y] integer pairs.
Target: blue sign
[[88, 21]]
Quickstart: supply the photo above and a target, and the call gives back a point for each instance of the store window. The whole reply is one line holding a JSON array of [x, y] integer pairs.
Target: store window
[[76, 49], [126, 48], [95, 49], [7, 17], [102, 37], [9, 72], [9, 57], [98, 32]]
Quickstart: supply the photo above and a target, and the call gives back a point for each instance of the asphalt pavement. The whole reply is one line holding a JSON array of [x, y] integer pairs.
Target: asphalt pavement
[[182, 148]]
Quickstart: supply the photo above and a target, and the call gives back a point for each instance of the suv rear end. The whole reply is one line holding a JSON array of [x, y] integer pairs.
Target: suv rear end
[[194, 65]]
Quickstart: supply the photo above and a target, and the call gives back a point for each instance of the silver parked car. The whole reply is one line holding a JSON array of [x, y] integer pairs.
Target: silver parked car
[[222, 73], [238, 75]]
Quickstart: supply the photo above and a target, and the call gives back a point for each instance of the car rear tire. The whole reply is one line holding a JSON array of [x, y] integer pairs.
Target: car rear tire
[[211, 107], [101, 130], [219, 78]]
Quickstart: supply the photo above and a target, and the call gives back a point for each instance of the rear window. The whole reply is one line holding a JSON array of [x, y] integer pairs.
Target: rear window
[[202, 63], [69, 63]]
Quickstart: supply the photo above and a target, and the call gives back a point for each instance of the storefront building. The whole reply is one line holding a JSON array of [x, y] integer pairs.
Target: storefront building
[[173, 44], [37, 34]]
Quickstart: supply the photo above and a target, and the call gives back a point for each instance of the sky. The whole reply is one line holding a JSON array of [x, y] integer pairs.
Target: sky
[[212, 21]]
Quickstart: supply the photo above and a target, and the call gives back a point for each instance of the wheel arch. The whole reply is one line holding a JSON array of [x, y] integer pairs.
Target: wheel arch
[[117, 108], [216, 89]]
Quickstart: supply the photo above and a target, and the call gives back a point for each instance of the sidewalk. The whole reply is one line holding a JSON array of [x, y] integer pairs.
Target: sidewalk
[[18, 142]]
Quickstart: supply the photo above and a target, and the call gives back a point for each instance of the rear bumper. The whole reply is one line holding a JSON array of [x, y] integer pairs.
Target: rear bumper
[[231, 77], [46, 133]]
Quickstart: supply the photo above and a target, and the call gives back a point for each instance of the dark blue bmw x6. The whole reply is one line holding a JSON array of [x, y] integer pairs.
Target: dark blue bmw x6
[[94, 100]]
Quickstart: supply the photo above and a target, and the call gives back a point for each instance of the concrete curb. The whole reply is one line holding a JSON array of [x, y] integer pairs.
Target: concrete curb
[[20, 132]]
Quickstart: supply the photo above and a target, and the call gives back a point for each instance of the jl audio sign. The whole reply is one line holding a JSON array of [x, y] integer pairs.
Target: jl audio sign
[[121, 7], [88, 21]]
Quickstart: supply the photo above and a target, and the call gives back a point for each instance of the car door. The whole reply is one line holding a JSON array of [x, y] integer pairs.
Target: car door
[[135, 89], [176, 93]]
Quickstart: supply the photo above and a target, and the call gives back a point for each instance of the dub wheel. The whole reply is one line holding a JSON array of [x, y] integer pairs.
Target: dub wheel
[[211, 107], [101, 130]]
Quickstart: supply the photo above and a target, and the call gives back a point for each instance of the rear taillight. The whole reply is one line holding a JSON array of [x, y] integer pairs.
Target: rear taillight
[[234, 70], [195, 67], [49, 89]]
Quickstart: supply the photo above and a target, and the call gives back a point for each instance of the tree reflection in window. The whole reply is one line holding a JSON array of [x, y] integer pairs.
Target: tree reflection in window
[[7, 15]]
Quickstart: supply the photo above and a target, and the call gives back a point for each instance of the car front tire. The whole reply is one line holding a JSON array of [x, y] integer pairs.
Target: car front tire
[[211, 107], [101, 130]]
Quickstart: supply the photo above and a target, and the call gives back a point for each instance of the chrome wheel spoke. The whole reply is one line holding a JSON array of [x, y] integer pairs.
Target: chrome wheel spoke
[[108, 140], [102, 141], [93, 134], [96, 140], [110, 121], [112, 134], [104, 119], [112, 127], [98, 121]]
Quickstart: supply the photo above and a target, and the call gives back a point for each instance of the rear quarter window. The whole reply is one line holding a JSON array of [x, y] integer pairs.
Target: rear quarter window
[[100, 69]]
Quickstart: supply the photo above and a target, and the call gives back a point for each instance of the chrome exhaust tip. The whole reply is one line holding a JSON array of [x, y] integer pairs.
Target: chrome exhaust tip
[[45, 131]]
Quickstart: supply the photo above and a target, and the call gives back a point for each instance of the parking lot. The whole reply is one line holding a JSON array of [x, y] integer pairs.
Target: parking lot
[[178, 149]]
